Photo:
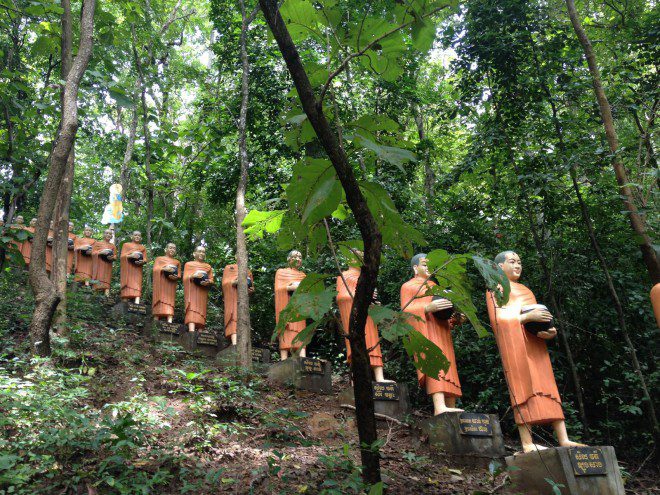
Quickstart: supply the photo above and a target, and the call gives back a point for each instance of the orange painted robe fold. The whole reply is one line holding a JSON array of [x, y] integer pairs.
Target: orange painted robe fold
[[345, 303], [230, 297], [49, 252], [532, 387], [131, 274], [195, 296], [437, 331], [655, 302], [26, 248], [164, 289], [84, 263], [70, 253], [102, 270], [283, 277]]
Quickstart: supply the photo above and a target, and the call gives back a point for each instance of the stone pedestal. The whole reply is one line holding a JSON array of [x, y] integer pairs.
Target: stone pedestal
[[391, 400], [137, 315], [200, 341], [581, 471], [169, 332], [229, 357], [310, 374], [473, 438]]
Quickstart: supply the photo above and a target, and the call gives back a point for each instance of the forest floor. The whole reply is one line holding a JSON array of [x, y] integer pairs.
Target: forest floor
[[112, 412]]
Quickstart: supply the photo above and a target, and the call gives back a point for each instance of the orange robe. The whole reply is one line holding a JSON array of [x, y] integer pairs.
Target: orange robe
[[84, 263], [283, 277], [49, 252], [26, 248], [102, 270], [69, 253], [230, 297], [345, 303], [527, 368], [164, 289], [195, 296], [655, 302], [437, 331], [130, 275]]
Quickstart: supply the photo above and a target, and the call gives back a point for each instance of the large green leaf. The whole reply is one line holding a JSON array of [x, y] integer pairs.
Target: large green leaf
[[454, 285], [314, 190], [395, 156], [392, 325], [257, 222], [496, 281], [302, 19], [427, 357]]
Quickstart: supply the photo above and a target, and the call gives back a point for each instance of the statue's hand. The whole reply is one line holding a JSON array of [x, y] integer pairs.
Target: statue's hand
[[540, 315], [251, 290], [548, 334], [172, 277], [438, 305], [205, 283], [234, 283], [293, 286]]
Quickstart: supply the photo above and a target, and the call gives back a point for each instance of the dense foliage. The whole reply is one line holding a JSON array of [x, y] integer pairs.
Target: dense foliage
[[472, 129]]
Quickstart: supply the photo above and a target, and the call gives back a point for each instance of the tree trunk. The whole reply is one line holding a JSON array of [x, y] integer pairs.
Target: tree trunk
[[45, 292], [128, 152], [243, 329], [636, 221], [371, 237], [429, 176], [63, 203]]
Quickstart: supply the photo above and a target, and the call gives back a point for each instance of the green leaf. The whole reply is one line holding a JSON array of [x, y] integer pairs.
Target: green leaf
[[454, 285], [496, 281], [377, 489], [427, 357], [423, 35], [121, 98], [392, 324], [305, 335], [257, 222], [395, 156], [314, 190], [302, 19]]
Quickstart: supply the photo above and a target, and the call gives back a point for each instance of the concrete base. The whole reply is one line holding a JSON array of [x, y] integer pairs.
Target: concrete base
[[455, 433], [198, 342], [397, 407], [569, 467], [137, 315], [227, 357], [310, 374], [168, 332]]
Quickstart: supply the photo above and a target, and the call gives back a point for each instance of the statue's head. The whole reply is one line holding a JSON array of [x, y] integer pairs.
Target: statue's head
[[70, 226], [136, 236], [294, 259], [200, 253], [52, 225], [510, 264], [88, 232], [107, 235], [170, 249], [20, 220], [33, 222], [419, 265]]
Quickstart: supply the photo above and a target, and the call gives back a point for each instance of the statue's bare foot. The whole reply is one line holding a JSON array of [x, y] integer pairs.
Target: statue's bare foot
[[384, 380], [443, 410], [568, 443], [533, 447]]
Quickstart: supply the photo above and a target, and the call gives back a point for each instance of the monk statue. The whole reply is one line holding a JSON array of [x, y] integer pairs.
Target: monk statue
[[521, 332], [27, 245], [49, 247], [437, 321], [230, 298], [82, 249], [346, 285], [71, 243], [655, 302], [166, 274], [133, 256], [287, 281], [197, 280], [103, 254]]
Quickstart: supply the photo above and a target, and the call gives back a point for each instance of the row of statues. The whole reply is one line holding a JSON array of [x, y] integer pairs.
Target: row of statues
[[521, 326]]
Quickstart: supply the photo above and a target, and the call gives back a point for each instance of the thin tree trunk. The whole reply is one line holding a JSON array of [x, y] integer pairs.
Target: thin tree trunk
[[45, 293], [62, 205], [243, 329], [636, 221], [554, 307], [128, 152], [429, 176], [371, 237]]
